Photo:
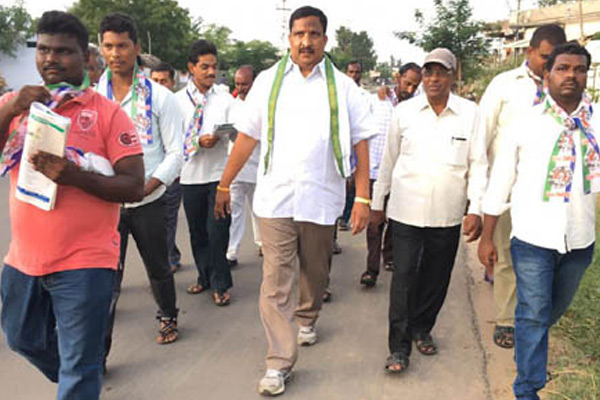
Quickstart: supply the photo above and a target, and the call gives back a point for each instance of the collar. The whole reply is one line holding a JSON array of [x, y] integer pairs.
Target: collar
[[452, 104], [317, 69], [583, 106]]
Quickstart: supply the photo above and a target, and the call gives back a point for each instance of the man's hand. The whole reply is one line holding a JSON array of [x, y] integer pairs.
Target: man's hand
[[222, 204], [58, 169], [383, 93], [27, 95], [487, 254], [377, 217], [208, 141], [151, 186], [472, 227], [359, 218]]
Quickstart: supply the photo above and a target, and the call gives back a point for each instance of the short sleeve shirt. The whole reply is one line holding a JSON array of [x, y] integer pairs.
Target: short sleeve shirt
[[81, 231]]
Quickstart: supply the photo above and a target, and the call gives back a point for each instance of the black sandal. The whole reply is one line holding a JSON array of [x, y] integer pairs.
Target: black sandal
[[504, 336], [425, 345], [397, 358], [368, 279], [168, 332]]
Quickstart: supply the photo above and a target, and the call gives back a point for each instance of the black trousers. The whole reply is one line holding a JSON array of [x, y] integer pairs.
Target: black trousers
[[173, 201], [423, 262], [376, 234], [147, 225], [209, 237]]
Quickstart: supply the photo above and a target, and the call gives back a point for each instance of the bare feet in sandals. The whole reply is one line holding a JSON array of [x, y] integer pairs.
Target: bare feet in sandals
[[425, 344], [195, 289], [221, 299], [168, 332], [396, 363]]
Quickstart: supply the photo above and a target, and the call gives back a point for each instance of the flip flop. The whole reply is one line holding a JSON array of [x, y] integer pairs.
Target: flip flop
[[399, 359], [195, 289]]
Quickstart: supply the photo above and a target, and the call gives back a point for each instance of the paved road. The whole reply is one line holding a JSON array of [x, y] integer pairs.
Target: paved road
[[220, 354]]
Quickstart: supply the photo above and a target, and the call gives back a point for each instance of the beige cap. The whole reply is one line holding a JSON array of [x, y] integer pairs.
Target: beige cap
[[441, 56]]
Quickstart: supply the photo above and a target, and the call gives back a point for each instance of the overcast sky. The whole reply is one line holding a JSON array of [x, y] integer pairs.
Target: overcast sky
[[260, 19]]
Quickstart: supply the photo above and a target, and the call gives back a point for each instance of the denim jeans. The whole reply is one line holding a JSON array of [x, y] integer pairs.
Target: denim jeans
[[57, 322], [546, 284]]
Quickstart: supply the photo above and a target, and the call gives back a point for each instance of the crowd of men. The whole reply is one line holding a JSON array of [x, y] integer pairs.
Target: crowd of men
[[422, 165]]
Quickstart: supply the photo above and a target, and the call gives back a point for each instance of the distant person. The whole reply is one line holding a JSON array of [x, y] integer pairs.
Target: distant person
[[59, 272], [433, 165], [158, 122], [548, 170], [95, 65], [378, 234], [164, 74], [242, 188], [300, 183], [206, 106], [504, 99]]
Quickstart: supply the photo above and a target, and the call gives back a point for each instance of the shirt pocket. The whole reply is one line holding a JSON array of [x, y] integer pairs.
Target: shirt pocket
[[457, 150], [407, 145]]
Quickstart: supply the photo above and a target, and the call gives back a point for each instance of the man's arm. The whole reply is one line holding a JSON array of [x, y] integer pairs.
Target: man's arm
[[486, 251], [126, 186], [360, 211], [17, 105]]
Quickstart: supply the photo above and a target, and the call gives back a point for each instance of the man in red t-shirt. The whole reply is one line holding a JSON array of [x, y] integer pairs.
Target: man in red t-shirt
[[58, 274]]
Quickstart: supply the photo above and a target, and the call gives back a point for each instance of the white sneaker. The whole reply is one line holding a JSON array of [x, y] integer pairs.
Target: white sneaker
[[273, 383], [307, 336]]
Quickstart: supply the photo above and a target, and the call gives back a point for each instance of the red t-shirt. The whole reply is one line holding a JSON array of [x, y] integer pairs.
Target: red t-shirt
[[81, 230]]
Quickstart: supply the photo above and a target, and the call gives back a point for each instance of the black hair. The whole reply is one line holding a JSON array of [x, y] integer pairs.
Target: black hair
[[551, 33], [164, 67], [308, 11], [411, 66], [53, 22], [573, 48], [353, 62], [119, 23], [199, 48]]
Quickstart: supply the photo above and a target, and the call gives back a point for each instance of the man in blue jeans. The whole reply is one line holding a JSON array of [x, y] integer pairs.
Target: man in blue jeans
[[549, 165], [59, 272]]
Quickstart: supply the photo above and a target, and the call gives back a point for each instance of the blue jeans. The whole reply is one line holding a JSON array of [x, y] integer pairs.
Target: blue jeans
[[546, 284], [57, 322]]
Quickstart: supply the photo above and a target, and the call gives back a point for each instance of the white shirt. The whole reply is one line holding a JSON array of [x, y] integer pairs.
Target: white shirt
[[208, 164], [250, 169], [520, 172], [303, 182], [432, 164], [162, 158], [507, 95], [382, 115]]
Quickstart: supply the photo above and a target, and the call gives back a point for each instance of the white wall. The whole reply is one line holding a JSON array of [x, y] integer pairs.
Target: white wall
[[20, 70]]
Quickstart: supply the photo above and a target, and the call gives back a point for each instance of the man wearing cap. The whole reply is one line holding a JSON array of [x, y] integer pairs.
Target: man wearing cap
[[433, 163]]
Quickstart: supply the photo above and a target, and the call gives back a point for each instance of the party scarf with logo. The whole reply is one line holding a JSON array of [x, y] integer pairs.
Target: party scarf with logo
[[333, 106], [13, 150], [192, 135], [540, 94], [141, 101], [561, 168]]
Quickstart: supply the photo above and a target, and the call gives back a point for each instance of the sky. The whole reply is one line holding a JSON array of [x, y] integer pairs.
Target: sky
[[260, 19]]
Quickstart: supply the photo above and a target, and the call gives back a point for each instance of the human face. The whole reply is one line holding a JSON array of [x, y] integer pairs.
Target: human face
[[204, 72], [243, 83], [59, 58], [307, 43], [163, 78], [538, 56], [120, 52], [93, 69], [567, 79], [354, 71], [408, 83], [437, 81]]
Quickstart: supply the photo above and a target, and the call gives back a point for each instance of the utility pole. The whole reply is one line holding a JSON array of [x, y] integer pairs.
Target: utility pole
[[284, 22]]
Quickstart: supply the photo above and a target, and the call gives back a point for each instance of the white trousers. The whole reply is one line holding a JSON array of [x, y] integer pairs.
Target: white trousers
[[240, 191]]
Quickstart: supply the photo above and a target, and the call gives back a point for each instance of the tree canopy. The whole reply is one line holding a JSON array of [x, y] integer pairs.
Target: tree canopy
[[16, 26], [352, 46]]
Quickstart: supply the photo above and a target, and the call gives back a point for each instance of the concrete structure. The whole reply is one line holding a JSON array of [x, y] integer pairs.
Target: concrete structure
[[20, 70]]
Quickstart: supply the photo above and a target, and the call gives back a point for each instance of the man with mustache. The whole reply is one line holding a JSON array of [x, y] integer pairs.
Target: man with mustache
[[308, 116], [433, 163], [205, 107], [408, 80], [158, 120], [58, 276], [548, 168]]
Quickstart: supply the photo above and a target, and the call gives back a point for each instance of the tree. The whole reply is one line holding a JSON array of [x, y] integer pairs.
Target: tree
[[352, 46], [548, 3], [16, 26], [165, 29], [452, 28]]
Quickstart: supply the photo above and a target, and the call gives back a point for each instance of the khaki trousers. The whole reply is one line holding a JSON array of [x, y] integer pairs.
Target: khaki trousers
[[505, 284], [284, 241]]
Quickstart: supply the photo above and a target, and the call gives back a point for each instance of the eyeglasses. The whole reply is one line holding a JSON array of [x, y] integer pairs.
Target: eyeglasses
[[438, 73]]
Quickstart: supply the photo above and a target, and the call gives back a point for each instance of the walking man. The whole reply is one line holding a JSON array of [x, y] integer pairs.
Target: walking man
[[57, 280], [205, 107], [154, 110], [300, 186], [505, 98], [433, 163], [548, 165]]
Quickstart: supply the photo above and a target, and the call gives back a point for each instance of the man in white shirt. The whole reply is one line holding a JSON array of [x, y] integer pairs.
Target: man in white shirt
[[156, 115], [505, 98], [433, 162], [410, 79], [549, 166], [305, 159], [205, 153], [242, 188]]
